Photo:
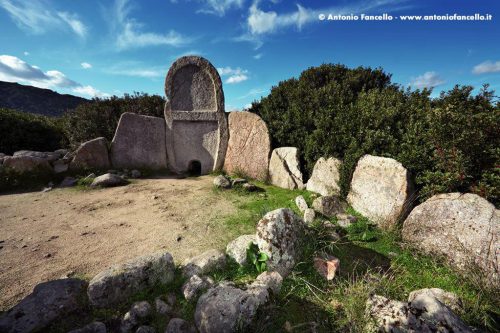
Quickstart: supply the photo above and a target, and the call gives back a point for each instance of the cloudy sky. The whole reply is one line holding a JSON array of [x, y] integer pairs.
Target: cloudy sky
[[110, 47]]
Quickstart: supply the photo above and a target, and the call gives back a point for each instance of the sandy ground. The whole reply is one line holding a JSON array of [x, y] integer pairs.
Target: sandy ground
[[45, 236]]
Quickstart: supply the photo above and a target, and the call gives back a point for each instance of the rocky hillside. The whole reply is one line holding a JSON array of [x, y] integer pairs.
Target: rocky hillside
[[36, 100]]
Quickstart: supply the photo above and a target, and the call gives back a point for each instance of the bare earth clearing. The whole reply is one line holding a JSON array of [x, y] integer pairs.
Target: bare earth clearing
[[73, 232]]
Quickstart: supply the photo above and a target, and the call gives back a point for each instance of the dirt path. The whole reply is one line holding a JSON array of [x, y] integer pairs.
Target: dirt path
[[45, 236]]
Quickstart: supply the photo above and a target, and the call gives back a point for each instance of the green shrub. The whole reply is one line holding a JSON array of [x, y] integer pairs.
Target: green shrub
[[100, 116], [27, 131], [448, 144]]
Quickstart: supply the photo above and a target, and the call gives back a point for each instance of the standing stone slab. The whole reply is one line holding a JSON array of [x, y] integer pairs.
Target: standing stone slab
[[196, 132], [139, 142], [249, 146], [284, 168], [380, 190], [463, 228], [325, 177], [92, 154]]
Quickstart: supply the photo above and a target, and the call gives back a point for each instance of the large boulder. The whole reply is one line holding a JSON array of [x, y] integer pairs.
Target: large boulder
[[284, 170], [120, 282], [279, 235], [237, 249], [248, 146], [380, 190], [23, 164], [92, 154], [204, 263], [50, 301], [139, 142], [463, 228], [325, 177]]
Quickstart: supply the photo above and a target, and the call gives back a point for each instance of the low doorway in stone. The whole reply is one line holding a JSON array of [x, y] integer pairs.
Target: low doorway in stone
[[194, 168]]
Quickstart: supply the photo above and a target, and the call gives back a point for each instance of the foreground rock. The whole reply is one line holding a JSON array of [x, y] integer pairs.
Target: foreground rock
[[95, 327], [424, 313], [139, 142], [178, 325], [279, 235], [118, 283], [463, 228], [325, 178], [380, 190], [23, 164], [327, 266], [204, 263], [195, 285], [284, 170], [92, 154], [237, 249], [329, 206], [222, 181], [248, 146], [301, 203], [50, 301], [108, 180], [309, 215]]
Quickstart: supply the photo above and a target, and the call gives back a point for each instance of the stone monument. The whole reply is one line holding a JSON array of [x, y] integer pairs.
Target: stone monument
[[196, 131]]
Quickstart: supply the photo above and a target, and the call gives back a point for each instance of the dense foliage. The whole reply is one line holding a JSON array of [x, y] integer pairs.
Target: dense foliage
[[450, 143], [20, 130], [100, 116]]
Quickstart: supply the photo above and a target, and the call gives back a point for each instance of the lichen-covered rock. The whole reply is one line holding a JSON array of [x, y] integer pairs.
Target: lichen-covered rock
[[265, 284], [325, 177], [95, 327], [345, 220], [449, 299], [279, 235], [284, 170], [23, 164], [380, 190], [329, 206], [309, 215], [108, 180], [92, 154], [204, 263], [195, 285], [463, 228], [120, 282], [178, 325], [301, 203], [248, 146], [237, 249], [221, 181], [49, 302]]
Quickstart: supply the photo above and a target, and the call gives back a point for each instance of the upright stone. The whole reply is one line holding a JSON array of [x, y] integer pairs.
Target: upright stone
[[92, 154], [196, 132], [284, 168], [139, 142], [249, 146], [380, 190], [325, 177]]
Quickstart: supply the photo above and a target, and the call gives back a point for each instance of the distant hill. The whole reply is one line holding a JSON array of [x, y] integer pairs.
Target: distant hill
[[36, 100]]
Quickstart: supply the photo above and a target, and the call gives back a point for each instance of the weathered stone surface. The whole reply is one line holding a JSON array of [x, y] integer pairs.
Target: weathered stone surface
[[424, 313], [449, 299], [463, 228], [108, 180], [162, 307], [248, 147], [238, 181], [22, 164], [309, 215], [284, 168], [237, 249], [301, 203], [204, 263], [380, 190], [196, 129], [225, 309], [119, 282], [95, 327], [60, 166], [68, 182], [327, 266], [48, 156], [195, 285], [145, 329], [50, 301], [221, 181], [325, 177], [278, 235], [329, 206], [92, 154], [265, 284], [139, 142], [178, 325], [345, 220]]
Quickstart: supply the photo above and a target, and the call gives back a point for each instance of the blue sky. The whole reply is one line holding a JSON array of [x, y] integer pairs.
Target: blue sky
[[100, 48]]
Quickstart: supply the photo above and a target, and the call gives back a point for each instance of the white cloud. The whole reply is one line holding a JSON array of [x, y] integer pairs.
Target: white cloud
[[487, 67], [219, 7], [427, 80], [129, 34], [13, 69], [235, 75], [258, 56], [36, 17], [26, 53], [86, 65], [139, 72]]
